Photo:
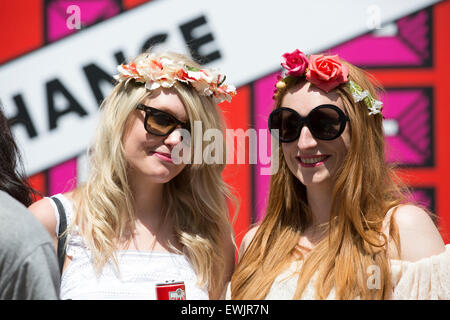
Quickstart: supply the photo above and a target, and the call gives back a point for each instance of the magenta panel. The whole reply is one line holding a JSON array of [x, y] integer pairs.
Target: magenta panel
[[90, 12], [410, 45], [262, 106], [62, 178], [410, 110]]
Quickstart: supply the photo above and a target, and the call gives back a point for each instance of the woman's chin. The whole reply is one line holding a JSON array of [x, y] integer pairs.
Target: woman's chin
[[314, 179]]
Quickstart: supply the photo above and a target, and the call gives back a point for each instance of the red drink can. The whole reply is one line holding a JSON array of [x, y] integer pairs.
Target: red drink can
[[171, 290]]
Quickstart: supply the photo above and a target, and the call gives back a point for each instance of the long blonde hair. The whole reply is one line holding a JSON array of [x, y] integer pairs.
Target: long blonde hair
[[196, 199], [365, 189]]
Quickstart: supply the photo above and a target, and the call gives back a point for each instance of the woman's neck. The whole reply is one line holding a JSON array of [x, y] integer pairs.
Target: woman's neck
[[148, 201], [319, 200], [152, 230]]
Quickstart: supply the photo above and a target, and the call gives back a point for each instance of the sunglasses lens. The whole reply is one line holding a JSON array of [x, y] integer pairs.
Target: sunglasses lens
[[325, 123], [159, 123], [287, 122]]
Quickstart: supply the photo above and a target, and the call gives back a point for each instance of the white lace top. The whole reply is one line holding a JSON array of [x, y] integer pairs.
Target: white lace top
[[428, 278], [139, 271]]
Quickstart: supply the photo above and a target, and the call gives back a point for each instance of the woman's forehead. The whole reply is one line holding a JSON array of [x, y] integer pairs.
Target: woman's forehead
[[307, 96]]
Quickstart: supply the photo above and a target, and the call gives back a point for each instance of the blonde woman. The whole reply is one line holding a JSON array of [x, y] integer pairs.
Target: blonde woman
[[337, 224], [143, 218]]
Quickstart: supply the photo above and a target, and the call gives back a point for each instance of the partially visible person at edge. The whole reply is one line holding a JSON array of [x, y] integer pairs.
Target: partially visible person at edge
[[143, 218], [28, 264], [338, 224]]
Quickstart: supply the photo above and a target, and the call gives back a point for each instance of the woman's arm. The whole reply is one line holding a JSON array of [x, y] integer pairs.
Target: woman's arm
[[44, 212], [419, 237]]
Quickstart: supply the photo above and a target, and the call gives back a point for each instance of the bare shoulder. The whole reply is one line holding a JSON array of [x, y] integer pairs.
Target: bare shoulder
[[419, 236], [44, 212], [247, 239], [249, 235]]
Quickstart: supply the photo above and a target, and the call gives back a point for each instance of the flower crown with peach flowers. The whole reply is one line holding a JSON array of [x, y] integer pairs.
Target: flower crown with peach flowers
[[326, 72], [162, 71]]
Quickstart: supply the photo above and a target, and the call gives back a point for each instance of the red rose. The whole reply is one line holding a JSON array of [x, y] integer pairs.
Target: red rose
[[295, 62], [326, 72]]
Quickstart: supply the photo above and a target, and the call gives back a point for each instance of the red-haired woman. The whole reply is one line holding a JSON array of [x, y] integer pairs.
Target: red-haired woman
[[338, 224]]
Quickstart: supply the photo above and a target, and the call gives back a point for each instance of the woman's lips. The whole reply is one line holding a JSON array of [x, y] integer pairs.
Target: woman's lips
[[163, 156], [312, 161]]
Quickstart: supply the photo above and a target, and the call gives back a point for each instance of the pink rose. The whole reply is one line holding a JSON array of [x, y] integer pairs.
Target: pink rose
[[295, 62], [326, 72]]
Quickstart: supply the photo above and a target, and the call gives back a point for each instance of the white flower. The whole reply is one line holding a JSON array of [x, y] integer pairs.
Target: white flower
[[373, 111], [194, 74], [358, 96], [375, 107], [167, 83], [152, 85], [377, 104]]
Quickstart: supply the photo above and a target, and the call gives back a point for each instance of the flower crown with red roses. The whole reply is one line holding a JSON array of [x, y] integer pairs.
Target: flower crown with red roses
[[326, 72], [159, 70]]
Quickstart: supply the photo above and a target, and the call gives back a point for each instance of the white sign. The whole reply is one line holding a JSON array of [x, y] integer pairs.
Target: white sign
[[55, 91]]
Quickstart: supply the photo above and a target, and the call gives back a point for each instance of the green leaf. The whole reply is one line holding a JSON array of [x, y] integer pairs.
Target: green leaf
[[194, 69]]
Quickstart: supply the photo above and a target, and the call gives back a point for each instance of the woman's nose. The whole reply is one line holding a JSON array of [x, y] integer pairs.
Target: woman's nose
[[173, 138], [306, 139]]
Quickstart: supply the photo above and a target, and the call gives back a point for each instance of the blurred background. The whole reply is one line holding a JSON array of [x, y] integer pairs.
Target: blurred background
[[58, 58]]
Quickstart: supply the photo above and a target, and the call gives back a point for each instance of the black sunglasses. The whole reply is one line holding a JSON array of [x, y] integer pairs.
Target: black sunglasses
[[326, 122], [161, 123]]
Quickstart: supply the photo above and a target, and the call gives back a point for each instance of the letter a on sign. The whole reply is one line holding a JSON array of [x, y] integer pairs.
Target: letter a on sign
[[74, 20]]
